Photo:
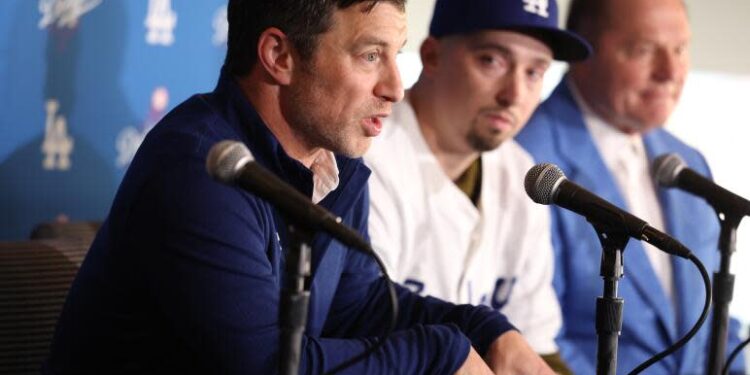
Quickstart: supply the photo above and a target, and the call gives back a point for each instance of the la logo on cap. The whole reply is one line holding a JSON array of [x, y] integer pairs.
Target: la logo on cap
[[538, 7]]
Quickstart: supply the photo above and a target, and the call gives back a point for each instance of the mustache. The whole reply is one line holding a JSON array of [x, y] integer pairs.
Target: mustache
[[378, 109]]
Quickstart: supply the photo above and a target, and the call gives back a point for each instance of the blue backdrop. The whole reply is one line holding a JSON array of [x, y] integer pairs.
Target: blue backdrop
[[82, 81]]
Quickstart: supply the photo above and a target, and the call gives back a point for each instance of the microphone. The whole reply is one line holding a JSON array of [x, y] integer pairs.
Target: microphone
[[231, 162], [545, 184], [671, 171]]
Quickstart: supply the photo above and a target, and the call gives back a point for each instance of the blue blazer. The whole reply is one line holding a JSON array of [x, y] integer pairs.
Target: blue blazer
[[557, 134]]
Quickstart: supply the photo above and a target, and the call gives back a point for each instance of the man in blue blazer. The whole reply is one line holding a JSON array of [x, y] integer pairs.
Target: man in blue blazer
[[602, 127]]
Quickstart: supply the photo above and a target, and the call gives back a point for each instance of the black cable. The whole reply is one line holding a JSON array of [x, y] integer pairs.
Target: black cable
[[736, 352], [693, 331], [394, 319]]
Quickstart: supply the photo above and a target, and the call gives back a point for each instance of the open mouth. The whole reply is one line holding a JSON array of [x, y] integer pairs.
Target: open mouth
[[372, 126]]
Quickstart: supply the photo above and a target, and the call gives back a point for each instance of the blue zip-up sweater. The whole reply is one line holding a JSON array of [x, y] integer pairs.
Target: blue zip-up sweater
[[186, 272]]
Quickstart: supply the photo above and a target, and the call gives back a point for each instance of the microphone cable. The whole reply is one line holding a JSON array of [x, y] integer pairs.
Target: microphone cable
[[681, 342], [735, 353]]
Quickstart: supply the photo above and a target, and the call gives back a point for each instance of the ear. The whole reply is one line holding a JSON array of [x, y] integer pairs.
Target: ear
[[275, 55], [429, 52]]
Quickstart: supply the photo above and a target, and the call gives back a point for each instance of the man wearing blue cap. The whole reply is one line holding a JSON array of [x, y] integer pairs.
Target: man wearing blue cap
[[448, 212], [602, 127]]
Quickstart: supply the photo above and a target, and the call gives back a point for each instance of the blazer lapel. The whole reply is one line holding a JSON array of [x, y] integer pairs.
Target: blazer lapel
[[587, 168], [687, 281]]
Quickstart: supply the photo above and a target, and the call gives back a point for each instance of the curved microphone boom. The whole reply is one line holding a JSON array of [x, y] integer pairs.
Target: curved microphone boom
[[231, 162], [671, 171], [546, 184]]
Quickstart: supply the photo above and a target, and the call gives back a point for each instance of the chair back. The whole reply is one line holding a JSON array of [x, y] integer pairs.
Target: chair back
[[84, 230], [34, 280]]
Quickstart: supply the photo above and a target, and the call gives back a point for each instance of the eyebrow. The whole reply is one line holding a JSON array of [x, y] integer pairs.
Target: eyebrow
[[474, 46], [505, 51], [375, 41]]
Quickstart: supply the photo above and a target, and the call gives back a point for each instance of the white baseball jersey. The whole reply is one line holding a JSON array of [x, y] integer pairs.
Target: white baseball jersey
[[435, 241]]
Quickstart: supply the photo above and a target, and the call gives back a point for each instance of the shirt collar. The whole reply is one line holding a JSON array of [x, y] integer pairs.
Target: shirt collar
[[612, 143], [325, 175]]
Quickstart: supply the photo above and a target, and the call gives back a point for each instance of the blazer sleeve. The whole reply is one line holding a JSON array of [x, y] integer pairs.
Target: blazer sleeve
[[534, 307]]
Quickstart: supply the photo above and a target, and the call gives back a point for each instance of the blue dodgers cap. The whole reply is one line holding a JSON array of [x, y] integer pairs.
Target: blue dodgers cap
[[537, 18]]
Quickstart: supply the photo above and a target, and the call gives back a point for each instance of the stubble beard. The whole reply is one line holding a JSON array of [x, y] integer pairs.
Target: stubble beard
[[480, 143], [305, 117]]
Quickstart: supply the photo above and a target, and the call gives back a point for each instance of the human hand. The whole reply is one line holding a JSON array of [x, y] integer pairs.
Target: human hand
[[474, 365], [510, 354]]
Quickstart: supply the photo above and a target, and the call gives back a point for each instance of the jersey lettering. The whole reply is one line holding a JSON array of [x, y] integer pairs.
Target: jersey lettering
[[414, 285], [501, 294]]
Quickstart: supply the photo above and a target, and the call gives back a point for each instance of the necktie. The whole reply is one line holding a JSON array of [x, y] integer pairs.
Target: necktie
[[640, 194]]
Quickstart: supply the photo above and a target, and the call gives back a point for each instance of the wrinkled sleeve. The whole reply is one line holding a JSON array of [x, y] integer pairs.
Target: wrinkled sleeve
[[575, 358], [211, 274], [215, 282], [362, 309], [534, 307], [538, 139], [387, 239]]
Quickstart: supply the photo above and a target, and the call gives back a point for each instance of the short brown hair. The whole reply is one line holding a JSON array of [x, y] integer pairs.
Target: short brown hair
[[589, 17], [301, 20]]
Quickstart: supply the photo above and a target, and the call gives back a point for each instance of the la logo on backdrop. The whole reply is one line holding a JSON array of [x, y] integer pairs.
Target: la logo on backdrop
[[57, 145], [130, 138], [160, 23], [64, 13]]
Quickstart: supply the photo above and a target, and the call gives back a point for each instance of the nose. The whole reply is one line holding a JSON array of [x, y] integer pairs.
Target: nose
[[389, 87], [511, 88]]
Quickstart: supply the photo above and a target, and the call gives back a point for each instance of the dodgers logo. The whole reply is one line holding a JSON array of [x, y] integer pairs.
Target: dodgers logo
[[57, 144], [130, 138], [502, 292], [160, 23], [538, 7], [220, 26], [415, 286], [64, 13]]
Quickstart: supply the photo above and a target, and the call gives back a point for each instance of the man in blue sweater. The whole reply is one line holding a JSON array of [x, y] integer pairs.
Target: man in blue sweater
[[185, 274]]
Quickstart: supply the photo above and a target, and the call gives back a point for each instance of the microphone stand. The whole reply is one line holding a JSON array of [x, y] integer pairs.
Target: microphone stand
[[609, 306], [295, 298], [723, 290]]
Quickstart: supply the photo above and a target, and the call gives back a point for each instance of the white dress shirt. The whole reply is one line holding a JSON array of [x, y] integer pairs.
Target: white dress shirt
[[325, 175], [625, 157]]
